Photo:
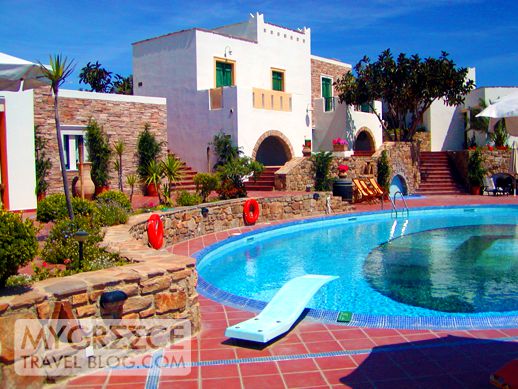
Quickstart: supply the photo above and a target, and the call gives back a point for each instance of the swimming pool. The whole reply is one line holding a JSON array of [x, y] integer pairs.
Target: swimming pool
[[364, 250]]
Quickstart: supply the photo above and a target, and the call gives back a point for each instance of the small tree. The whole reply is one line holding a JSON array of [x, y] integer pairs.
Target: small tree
[[99, 153], [97, 77], [58, 71], [148, 149], [224, 149], [205, 184], [500, 135], [384, 171], [322, 162], [123, 85], [407, 85], [476, 170]]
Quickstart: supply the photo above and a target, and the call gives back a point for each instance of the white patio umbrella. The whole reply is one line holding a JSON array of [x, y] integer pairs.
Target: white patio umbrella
[[15, 71], [505, 107]]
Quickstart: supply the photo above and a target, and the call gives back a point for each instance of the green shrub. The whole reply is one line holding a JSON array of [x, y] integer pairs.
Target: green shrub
[[384, 171], [61, 245], [18, 244], [148, 149], [110, 213], [185, 198], [476, 170], [322, 162], [205, 184], [54, 207], [19, 280], [115, 196], [99, 153]]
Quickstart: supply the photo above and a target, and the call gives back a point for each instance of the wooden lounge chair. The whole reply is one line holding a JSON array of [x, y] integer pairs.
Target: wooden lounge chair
[[365, 193], [373, 193], [377, 187]]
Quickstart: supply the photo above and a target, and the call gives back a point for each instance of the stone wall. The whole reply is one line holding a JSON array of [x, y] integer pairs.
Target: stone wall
[[424, 140], [187, 223], [296, 175], [323, 68], [120, 120], [495, 162]]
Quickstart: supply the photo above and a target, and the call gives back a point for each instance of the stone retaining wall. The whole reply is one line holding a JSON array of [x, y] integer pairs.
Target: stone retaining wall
[[161, 287], [187, 223]]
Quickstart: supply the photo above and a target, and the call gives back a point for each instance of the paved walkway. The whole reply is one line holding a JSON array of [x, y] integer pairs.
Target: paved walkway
[[317, 355]]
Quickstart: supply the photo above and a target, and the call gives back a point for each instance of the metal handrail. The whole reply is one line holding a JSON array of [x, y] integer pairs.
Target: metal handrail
[[394, 209], [404, 202]]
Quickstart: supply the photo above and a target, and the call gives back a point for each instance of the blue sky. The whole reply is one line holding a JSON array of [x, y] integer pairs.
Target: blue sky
[[478, 33]]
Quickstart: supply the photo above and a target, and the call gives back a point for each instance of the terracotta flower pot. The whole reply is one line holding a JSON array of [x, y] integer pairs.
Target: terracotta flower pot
[[151, 190], [475, 190], [339, 147]]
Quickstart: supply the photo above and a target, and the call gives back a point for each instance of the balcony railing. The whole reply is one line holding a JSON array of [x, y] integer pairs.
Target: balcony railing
[[271, 100]]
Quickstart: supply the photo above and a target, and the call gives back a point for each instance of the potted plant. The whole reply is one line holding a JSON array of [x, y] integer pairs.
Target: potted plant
[[342, 171], [153, 178], [340, 144], [500, 135], [148, 149], [476, 172], [99, 153]]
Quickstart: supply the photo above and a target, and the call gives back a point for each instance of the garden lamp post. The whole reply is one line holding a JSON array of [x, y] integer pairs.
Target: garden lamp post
[[81, 237]]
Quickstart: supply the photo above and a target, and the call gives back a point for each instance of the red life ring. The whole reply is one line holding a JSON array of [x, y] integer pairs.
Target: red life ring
[[251, 211], [155, 231]]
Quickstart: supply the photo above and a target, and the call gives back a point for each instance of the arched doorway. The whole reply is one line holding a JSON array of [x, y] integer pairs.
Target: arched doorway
[[364, 141], [272, 149]]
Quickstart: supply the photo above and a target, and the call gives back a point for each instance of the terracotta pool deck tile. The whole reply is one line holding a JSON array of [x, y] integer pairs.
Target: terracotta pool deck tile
[[173, 374], [348, 333], [331, 363], [438, 382], [288, 349], [258, 369], [217, 354], [192, 384], [240, 315], [357, 344], [243, 352], [487, 334], [388, 340], [220, 324], [510, 331], [310, 326], [263, 381], [219, 371], [418, 337], [308, 379], [297, 365], [316, 336], [323, 347], [123, 377], [379, 332], [216, 342], [221, 383], [210, 316], [90, 379]]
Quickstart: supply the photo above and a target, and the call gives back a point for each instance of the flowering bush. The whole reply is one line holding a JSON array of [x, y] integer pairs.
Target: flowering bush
[[340, 141], [343, 168]]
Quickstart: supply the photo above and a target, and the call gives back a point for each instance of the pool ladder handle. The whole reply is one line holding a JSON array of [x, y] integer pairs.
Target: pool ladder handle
[[393, 203]]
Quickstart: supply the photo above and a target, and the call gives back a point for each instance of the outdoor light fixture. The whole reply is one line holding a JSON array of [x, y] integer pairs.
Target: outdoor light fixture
[[111, 303], [204, 211], [81, 236], [228, 51]]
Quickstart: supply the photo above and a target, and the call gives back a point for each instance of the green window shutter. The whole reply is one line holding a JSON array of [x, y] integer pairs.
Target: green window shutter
[[277, 81], [223, 74], [327, 94]]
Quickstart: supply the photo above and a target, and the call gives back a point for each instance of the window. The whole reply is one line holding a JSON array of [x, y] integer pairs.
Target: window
[[327, 94], [365, 107], [72, 140], [224, 74], [278, 80]]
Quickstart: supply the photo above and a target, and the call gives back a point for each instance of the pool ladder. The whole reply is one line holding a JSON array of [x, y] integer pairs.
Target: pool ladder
[[393, 203]]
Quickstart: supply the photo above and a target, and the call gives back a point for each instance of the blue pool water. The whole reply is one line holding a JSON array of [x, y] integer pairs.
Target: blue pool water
[[441, 261]]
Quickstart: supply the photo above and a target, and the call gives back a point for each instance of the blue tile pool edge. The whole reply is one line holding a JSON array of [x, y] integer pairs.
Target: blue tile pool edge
[[358, 320]]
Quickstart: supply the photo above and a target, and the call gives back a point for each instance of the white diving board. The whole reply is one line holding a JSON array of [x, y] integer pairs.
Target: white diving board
[[282, 311]]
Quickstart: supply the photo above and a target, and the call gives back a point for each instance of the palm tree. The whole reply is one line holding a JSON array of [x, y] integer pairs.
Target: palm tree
[[57, 72]]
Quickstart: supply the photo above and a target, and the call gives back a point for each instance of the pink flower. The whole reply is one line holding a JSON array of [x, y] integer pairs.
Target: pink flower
[[343, 168], [67, 261], [340, 141]]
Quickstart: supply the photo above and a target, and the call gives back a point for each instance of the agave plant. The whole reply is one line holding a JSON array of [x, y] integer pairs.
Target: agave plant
[[172, 170]]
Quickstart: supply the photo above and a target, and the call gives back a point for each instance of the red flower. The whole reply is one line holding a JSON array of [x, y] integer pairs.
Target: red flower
[[67, 261], [44, 264], [343, 168]]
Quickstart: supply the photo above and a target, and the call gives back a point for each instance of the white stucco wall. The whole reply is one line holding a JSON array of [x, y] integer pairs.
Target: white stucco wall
[[446, 125], [343, 122], [181, 67], [19, 120]]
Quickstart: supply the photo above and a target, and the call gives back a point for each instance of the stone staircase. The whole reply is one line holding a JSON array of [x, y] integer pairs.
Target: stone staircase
[[265, 182], [187, 182], [436, 176]]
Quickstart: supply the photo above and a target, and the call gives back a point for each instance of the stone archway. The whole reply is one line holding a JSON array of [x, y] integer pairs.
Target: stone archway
[[273, 148], [364, 140], [398, 183]]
